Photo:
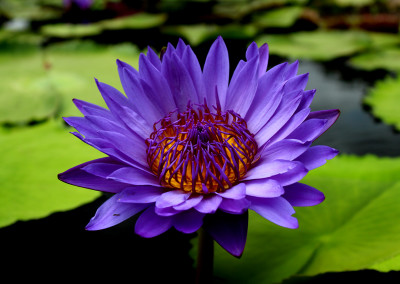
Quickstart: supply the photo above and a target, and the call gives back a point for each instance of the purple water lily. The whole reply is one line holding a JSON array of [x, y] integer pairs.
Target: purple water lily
[[187, 148]]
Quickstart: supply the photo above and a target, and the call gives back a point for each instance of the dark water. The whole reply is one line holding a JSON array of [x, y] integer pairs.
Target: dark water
[[356, 131]]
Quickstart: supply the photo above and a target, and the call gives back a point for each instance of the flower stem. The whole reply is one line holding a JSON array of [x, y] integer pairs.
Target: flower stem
[[205, 258]]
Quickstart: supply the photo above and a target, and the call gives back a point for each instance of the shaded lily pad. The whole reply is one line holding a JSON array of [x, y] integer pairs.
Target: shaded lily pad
[[30, 161], [66, 30], [197, 34], [278, 18], [317, 45], [384, 101], [136, 21], [378, 59], [356, 227]]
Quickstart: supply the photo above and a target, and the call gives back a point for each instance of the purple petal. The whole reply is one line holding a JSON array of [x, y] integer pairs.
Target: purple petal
[[282, 114], [264, 55], [309, 130], [316, 156], [264, 188], [308, 96], [192, 201], [166, 212], [216, 72], [209, 204], [266, 99], [172, 198], [330, 115], [291, 70], [234, 206], [153, 58], [300, 195], [133, 176], [179, 81], [276, 210], [192, 64], [112, 212], [141, 194], [288, 149], [188, 222], [265, 169], [228, 230], [242, 89], [236, 192], [149, 224], [77, 176], [293, 175], [92, 109]]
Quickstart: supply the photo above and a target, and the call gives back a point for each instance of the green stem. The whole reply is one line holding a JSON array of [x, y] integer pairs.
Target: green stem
[[205, 258]]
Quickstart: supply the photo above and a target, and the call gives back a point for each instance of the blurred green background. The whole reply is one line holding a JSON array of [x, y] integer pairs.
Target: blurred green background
[[50, 53]]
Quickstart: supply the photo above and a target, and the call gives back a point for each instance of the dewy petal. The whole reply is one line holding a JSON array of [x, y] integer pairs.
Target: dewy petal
[[188, 222], [316, 156], [150, 224], [112, 212], [216, 72], [228, 230], [209, 204], [172, 198], [236, 192], [277, 210], [264, 188], [78, 177], [133, 176], [288, 149], [140, 194], [265, 169], [301, 195]]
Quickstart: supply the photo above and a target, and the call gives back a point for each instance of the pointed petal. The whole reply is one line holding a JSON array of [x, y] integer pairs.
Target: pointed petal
[[276, 210], [149, 224], [265, 188], [77, 176], [112, 212], [301, 195], [288, 149], [228, 230], [141, 194], [216, 72], [133, 176], [265, 169], [317, 156]]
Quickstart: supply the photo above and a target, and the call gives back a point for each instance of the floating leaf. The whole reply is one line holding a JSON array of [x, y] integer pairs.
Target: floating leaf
[[384, 99], [75, 65], [31, 158], [317, 45], [66, 30], [136, 21], [378, 59], [197, 34], [26, 92], [278, 18], [356, 227]]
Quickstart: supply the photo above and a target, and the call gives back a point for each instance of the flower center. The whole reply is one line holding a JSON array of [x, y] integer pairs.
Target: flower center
[[200, 151]]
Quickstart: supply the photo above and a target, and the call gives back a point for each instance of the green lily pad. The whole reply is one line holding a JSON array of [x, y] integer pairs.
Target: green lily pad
[[197, 34], [278, 18], [26, 91], [75, 65], [317, 45], [66, 30], [378, 59], [137, 21], [384, 101], [30, 161], [356, 227]]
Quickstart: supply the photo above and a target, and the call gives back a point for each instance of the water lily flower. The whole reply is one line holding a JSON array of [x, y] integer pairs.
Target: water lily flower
[[190, 148]]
